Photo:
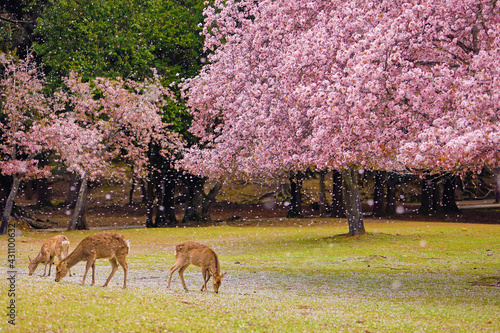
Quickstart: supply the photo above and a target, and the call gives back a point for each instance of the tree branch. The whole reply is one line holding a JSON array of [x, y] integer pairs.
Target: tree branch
[[16, 21]]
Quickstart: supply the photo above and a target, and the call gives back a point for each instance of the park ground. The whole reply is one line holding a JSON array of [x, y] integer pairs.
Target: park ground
[[402, 276]]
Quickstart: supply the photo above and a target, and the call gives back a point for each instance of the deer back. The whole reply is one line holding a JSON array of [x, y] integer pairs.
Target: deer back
[[198, 254], [54, 245], [101, 246]]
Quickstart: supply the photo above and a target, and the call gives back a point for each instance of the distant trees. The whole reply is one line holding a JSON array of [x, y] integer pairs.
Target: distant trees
[[89, 126], [124, 39], [110, 120], [25, 113], [127, 39]]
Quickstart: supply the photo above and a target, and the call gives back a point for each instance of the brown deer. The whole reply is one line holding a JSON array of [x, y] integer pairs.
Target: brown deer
[[56, 246], [200, 255], [107, 245]]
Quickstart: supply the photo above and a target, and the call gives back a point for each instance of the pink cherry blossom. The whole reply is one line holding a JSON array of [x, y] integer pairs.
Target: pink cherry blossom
[[393, 85]]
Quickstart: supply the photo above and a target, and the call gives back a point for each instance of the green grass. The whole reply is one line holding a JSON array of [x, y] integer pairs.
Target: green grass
[[400, 277]]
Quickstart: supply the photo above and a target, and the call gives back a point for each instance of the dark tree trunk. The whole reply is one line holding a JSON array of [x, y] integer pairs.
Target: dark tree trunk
[[160, 208], [322, 194], [44, 194], [78, 220], [449, 203], [209, 200], [436, 196], [29, 189], [378, 193], [353, 203], [392, 181], [74, 189], [497, 184], [426, 199], [165, 212], [150, 198], [9, 204], [194, 208], [131, 193], [81, 223], [5, 186], [295, 208], [337, 208]]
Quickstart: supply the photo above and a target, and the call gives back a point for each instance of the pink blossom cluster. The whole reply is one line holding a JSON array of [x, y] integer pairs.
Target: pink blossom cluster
[[89, 126], [24, 108], [112, 119], [330, 84]]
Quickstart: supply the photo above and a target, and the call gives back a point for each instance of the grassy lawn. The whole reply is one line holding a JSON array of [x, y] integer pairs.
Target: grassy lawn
[[309, 277]]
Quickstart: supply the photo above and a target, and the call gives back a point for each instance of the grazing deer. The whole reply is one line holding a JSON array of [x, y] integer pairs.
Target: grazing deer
[[200, 255], [107, 245], [52, 247]]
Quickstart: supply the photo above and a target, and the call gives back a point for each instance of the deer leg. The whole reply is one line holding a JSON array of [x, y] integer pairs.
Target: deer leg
[[114, 267], [90, 263], [181, 274], [51, 262], [175, 267], [206, 277], [93, 272], [46, 260], [123, 262]]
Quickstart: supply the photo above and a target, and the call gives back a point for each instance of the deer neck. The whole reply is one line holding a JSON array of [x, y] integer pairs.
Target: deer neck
[[214, 266], [38, 259], [74, 258]]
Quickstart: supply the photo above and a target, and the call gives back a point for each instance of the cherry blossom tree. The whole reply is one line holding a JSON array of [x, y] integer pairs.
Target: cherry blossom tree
[[25, 113], [347, 85], [109, 120]]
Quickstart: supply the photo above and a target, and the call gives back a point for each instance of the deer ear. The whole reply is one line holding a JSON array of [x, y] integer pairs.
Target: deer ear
[[29, 259], [179, 248], [222, 275]]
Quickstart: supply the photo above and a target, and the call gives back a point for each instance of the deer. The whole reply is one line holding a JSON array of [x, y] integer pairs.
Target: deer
[[106, 245], [199, 255], [56, 246]]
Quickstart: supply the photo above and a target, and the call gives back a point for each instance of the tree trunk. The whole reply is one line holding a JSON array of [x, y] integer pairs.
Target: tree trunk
[[78, 217], [5, 187], [353, 202], [322, 194], [449, 185], [392, 180], [295, 208], [30, 188], [150, 198], [194, 201], [81, 223], [160, 208], [43, 194], [436, 196], [165, 212], [74, 189], [131, 193], [378, 193], [8, 205], [337, 208], [209, 200], [497, 184], [426, 200]]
